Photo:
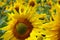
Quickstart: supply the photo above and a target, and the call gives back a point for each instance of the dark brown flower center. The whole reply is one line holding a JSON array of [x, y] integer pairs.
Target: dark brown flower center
[[22, 29], [59, 2], [32, 4]]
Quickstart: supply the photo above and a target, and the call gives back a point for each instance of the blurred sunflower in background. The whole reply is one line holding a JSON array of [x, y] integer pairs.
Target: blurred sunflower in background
[[29, 19]]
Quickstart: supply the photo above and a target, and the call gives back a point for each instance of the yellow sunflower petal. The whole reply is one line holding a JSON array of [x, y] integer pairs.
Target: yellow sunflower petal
[[7, 35], [14, 38]]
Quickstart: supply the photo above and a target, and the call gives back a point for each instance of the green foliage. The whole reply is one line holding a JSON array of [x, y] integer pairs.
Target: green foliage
[[54, 11], [1, 0], [38, 1], [3, 18], [2, 23], [2, 32], [26, 1], [45, 1], [1, 38]]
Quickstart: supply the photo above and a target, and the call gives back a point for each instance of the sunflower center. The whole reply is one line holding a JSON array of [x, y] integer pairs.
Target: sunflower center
[[59, 2], [21, 28], [32, 3]]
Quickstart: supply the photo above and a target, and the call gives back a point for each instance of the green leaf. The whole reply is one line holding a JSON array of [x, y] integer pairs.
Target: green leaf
[[1, 38], [45, 1], [2, 24], [54, 11], [1, 9], [38, 1], [6, 19], [26, 1], [38, 9], [54, 1], [14, 0], [6, 11], [48, 17], [47, 6], [46, 11], [2, 32], [8, 1], [1, 0]]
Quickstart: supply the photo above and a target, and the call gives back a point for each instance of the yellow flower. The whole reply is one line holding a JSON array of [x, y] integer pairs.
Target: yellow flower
[[25, 24], [1, 3]]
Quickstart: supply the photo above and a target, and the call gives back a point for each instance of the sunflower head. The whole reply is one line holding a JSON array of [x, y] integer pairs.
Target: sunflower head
[[22, 29], [33, 20]]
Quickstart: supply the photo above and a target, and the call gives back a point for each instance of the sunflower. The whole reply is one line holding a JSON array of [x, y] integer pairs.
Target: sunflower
[[26, 22]]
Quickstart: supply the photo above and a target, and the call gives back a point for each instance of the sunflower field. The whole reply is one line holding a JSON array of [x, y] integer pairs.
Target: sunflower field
[[29, 19]]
